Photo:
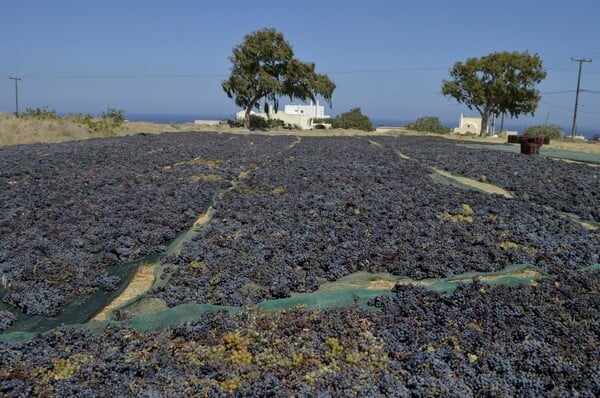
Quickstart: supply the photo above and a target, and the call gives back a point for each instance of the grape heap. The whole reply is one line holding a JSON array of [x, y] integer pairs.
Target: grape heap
[[290, 215]]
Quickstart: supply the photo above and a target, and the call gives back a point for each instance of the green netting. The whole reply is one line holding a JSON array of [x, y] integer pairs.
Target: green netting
[[84, 308], [571, 155], [79, 310], [318, 300], [593, 267], [437, 177], [352, 290], [544, 151], [590, 224], [442, 179], [180, 314]]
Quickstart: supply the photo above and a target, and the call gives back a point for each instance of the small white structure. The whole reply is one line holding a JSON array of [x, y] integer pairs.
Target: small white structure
[[301, 116], [387, 129], [208, 122], [468, 125]]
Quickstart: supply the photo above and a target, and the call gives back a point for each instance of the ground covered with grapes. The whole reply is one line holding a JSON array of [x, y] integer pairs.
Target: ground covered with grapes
[[291, 214]]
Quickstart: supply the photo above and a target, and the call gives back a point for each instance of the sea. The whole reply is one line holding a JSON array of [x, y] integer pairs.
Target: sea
[[586, 132]]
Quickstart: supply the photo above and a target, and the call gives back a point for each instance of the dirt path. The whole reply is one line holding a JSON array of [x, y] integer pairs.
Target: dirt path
[[481, 186]]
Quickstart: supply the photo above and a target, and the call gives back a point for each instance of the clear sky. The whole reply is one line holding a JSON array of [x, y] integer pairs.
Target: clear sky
[[387, 57]]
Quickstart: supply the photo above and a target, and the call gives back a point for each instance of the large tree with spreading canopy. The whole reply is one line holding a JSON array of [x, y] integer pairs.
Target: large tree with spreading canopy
[[497, 83], [264, 67]]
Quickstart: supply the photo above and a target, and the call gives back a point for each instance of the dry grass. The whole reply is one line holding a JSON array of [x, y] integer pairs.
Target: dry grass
[[579, 146], [130, 128], [14, 131]]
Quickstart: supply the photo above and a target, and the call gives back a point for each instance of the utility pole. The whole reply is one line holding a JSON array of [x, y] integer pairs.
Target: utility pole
[[581, 61], [16, 79]]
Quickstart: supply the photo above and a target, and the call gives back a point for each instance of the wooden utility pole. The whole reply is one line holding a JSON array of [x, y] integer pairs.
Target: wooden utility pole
[[16, 79], [581, 61]]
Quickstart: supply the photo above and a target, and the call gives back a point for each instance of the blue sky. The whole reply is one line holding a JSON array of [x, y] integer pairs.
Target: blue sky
[[386, 57]]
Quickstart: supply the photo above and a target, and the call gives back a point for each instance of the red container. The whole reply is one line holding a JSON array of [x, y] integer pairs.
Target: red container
[[530, 148]]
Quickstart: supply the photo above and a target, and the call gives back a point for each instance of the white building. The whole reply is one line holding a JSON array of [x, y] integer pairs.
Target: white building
[[472, 125], [468, 125], [315, 111], [301, 116]]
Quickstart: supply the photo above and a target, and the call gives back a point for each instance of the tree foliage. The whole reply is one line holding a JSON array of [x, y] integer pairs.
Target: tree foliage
[[263, 66], [353, 119], [430, 124], [549, 131], [497, 83]]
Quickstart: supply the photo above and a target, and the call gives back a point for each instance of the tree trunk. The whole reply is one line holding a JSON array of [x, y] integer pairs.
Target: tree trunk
[[249, 109], [485, 115], [247, 117]]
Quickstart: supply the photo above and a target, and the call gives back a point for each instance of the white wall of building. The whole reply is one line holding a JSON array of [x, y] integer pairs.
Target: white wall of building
[[313, 110], [468, 125]]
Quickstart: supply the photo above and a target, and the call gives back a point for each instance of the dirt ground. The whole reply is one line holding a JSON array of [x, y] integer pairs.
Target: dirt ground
[[22, 131]]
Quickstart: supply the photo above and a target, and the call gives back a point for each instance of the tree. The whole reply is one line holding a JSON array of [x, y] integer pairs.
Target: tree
[[263, 66], [353, 119], [549, 131], [497, 83], [430, 124]]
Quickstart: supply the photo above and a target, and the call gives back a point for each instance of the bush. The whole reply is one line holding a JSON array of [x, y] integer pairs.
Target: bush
[[549, 131], [235, 122], [40, 113], [105, 124], [352, 119], [114, 116], [430, 124], [258, 122]]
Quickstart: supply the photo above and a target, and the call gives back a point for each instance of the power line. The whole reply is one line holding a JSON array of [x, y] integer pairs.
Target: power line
[[390, 70], [583, 90], [216, 75], [566, 108], [556, 106], [558, 92], [132, 77]]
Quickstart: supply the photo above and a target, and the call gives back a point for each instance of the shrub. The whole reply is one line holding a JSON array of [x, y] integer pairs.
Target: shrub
[[549, 131], [430, 124], [258, 122], [235, 123], [105, 124], [40, 113], [114, 116], [353, 119]]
